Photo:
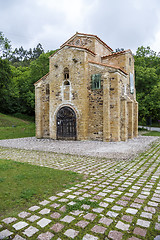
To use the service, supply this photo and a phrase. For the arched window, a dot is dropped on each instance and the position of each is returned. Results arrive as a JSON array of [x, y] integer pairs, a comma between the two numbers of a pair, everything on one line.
[[66, 83], [66, 73], [66, 90]]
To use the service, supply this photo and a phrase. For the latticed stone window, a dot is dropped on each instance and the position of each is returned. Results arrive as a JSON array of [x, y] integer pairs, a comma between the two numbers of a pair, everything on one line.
[[47, 89], [96, 81]]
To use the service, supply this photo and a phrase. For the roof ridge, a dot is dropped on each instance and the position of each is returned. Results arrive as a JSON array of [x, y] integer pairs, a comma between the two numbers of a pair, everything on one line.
[[42, 78], [108, 65], [116, 53]]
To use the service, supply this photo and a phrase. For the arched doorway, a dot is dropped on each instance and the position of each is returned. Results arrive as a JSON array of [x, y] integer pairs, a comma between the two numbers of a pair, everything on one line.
[[66, 124]]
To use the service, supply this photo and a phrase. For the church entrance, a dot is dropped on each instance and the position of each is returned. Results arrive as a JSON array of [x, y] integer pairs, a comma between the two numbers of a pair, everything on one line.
[[66, 124]]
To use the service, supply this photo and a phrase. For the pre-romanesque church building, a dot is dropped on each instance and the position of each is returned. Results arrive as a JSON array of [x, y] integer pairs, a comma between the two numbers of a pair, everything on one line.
[[88, 94]]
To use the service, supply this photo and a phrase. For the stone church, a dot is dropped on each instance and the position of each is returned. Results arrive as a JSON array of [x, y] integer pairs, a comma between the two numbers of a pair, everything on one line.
[[88, 94]]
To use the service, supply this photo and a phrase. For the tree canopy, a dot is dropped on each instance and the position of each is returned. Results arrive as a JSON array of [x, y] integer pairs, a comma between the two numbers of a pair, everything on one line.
[[147, 79]]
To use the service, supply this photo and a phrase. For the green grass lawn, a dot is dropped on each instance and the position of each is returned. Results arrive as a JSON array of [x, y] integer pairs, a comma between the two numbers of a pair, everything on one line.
[[12, 127], [152, 133], [22, 185]]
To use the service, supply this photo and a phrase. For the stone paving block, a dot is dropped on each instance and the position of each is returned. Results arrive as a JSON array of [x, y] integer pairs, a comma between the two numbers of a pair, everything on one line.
[[55, 215], [127, 218], [150, 209], [142, 196], [122, 226], [122, 203], [136, 205], [109, 199], [33, 218], [9, 220], [43, 222], [143, 223], [115, 235], [57, 227], [157, 237], [89, 237], [98, 210], [82, 224], [85, 206], [45, 202], [55, 205], [67, 219], [98, 229], [105, 221], [71, 203], [5, 234], [17, 237], [63, 209], [63, 200], [102, 194], [44, 211], [20, 225], [117, 208], [71, 233], [97, 197], [157, 226], [60, 194], [76, 212], [103, 204], [30, 231], [153, 204], [33, 208], [146, 215], [112, 214], [71, 196], [45, 236], [134, 238], [90, 216], [24, 214], [131, 211], [53, 198], [137, 200], [140, 231], [155, 199]]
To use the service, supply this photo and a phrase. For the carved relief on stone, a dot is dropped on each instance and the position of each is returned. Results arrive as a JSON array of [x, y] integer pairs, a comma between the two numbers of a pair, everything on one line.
[[81, 41]]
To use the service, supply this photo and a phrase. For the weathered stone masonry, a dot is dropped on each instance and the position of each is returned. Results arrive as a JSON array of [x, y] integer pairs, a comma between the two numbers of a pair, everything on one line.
[[88, 94]]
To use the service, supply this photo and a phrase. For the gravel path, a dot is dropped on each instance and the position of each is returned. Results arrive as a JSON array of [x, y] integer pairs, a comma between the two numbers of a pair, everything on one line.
[[116, 150]]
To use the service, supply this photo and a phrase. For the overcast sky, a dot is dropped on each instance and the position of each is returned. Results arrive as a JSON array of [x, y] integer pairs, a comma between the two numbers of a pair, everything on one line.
[[124, 24]]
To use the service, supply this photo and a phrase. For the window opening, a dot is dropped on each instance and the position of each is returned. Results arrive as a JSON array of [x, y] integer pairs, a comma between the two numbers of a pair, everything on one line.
[[96, 81], [66, 73], [47, 89]]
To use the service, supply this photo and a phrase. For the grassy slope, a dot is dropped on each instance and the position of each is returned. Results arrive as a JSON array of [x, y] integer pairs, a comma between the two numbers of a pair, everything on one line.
[[23, 184], [12, 127]]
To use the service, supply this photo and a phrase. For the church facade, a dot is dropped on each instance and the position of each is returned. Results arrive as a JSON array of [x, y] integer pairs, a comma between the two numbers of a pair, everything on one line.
[[88, 94]]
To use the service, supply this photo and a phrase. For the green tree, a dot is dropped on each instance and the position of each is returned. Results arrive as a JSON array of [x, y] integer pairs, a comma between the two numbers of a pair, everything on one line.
[[5, 46], [147, 73]]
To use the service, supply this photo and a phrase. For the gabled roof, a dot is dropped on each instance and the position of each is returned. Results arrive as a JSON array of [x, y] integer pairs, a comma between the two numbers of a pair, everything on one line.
[[87, 35], [73, 46], [107, 65]]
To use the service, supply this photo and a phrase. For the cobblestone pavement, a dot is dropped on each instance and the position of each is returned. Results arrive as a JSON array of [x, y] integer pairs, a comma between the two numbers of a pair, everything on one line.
[[119, 200]]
